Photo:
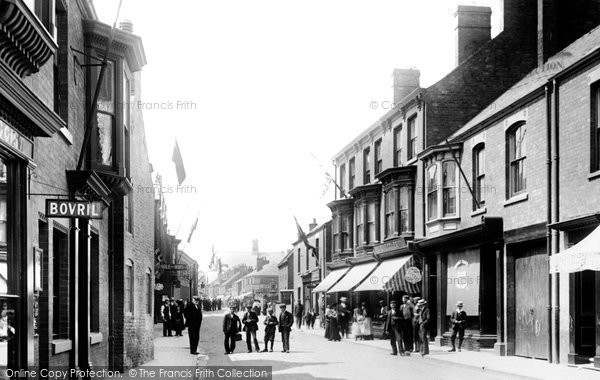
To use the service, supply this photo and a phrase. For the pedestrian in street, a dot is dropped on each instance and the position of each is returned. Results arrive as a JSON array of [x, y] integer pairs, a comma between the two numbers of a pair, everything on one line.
[[383, 311], [332, 320], [298, 313], [344, 316], [286, 321], [165, 312], [393, 326], [176, 317], [250, 322], [357, 324], [424, 326], [193, 318], [256, 307], [270, 328], [309, 320], [407, 311], [415, 325], [367, 332], [181, 324], [459, 322], [231, 326]]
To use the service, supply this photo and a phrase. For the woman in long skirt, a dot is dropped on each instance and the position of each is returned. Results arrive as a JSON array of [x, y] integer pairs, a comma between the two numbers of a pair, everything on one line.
[[327, 323], [366, 323], [334, 325]]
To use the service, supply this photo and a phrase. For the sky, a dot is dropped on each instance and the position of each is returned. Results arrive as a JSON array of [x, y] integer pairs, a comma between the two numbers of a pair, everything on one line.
[[260, 95]]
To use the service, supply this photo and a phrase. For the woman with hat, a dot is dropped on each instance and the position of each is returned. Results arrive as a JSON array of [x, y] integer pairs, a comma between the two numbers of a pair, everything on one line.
[[367, 323], [334, 330]]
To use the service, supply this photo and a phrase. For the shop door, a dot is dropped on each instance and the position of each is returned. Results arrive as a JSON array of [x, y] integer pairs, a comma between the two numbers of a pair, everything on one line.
[[585, 331], [531, 301]]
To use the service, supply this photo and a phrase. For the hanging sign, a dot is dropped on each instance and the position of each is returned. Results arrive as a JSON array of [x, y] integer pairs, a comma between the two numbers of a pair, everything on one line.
[[60, 208], [176, 267]]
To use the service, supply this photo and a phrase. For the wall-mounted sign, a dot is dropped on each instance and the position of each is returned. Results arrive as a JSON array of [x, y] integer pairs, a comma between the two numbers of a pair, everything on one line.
[[158, 286], [413, 275], [390, 246], [173, 266], [15, 140], [60, 208]]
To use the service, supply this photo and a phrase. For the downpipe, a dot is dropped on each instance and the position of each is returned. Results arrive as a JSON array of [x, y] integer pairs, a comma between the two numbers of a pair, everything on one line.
[[556, 218], [548, 98]]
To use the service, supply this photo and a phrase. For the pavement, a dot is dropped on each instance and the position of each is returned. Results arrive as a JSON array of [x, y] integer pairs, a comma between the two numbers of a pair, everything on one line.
[[313, 357]]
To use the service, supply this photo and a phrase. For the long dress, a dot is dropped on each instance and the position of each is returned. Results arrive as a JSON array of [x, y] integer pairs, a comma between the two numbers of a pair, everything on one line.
[[357, 324], [327, 325], [334, 326]]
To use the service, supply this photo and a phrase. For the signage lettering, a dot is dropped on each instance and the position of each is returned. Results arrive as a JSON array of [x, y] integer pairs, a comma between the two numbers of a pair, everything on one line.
[[177, 267], [389, 246], [56, 208], [14, 139]]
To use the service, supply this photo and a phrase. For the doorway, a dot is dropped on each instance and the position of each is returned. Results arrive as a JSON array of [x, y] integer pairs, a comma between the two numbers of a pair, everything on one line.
[[585, 313]]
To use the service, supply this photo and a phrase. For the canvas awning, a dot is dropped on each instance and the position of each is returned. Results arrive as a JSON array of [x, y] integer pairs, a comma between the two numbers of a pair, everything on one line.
[[397, 274], [244, 295], [330, 280], [584, 255], [354, 277]]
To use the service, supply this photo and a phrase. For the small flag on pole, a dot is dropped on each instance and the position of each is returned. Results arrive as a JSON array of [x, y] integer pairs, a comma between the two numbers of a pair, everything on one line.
[[178, 160], [302, 236], [192, 230]]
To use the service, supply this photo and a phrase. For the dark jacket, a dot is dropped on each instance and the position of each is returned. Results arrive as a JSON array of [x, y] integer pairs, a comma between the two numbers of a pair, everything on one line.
[[459, 319], [393, 322], [193, 315], [271, 324], [286, 321], [166, 312], [250, 321], [231, 324], [424, 316], [344, 314], [407, 311], [175, 311], [298, 310]]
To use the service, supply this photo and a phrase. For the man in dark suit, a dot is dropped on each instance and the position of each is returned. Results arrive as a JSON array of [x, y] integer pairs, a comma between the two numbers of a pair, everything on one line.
[[459, 322], [250, 322], [286, 321], [193, 318], [393, 326], [231, 326], [165, 311], [344, 316], [424, 327], [407, 311], [298, 313]]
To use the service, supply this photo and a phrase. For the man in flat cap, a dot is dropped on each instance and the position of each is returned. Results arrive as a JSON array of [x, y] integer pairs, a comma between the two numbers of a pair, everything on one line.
[[459, 322], [286, 321]]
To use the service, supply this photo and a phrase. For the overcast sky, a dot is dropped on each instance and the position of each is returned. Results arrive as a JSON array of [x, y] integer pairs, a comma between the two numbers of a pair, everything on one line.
[[269, 92]]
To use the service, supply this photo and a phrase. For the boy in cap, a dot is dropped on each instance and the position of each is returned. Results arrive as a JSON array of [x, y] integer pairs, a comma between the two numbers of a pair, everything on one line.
[[270, 327], [459, 321]]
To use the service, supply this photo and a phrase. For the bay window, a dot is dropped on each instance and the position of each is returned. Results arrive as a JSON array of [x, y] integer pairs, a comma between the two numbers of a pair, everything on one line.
[[390, 212], [371, 228], [403, 209], [346, 241], [449, 188], [336, 234], [432, 192], [360, 225]]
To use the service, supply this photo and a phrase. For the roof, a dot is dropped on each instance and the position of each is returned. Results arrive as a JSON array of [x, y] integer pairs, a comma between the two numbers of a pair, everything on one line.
[[236, 276], [537, 78], [285, 259], [310, 233], [267, 271]]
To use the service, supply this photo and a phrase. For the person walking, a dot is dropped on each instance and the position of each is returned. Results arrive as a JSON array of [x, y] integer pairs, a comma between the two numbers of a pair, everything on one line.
[[176, 317], [423, 327], [286, 321], [459, 322], [231, 326], [250, 322], [367, 332], [165, 312], [344, 317], [298, 313], [383, 311], [193, 318], [415, 325], [407, 311], [393, 326], [334, 328], [270, 328]]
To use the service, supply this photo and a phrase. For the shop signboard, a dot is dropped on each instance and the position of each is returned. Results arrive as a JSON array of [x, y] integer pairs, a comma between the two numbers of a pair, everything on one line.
[[61, 208]]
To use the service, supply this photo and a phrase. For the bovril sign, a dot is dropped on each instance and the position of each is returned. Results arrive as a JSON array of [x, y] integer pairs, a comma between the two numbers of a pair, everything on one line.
[[57, 208]]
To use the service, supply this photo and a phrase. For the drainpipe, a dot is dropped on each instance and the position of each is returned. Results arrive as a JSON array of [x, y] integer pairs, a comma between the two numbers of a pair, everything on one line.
[[548, 98], [556, 217]]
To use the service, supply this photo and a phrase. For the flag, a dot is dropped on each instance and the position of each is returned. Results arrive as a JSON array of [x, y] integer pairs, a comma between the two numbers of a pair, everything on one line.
[[192, 230], [178, 160], [211, 266], [302, 236]]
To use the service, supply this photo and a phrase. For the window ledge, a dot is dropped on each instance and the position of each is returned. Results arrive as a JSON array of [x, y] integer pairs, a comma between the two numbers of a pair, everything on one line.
[[594, 175], [516, 199], [61, 345], [411, 161], [96, 337], [444, 219], [67, 135], [479, 211]]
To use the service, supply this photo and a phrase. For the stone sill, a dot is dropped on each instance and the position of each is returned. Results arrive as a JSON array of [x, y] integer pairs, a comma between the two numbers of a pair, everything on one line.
[[61, 345], [594, 175], [66, 135], [96, 337], [516, 199], [479, 211]]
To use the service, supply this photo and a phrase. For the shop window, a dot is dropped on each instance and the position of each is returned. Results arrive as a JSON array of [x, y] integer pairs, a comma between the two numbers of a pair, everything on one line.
[[149, 291], [94, 283], [449, 188], [378, 159], [412, 137], [432, 192], [397, 147], [352, 173], [595, 130], [517, 148], [342, 180], [479, 175], [60, 286], [129, 287], [367, 166]]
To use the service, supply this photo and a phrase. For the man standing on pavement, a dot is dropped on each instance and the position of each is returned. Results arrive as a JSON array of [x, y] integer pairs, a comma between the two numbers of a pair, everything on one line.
[[393, 326], [459, 322], [407, 311], [250, 322], [298, 313], [165, 311], [193, 317], [231, 326], [383, 311], [424, 326], [415, 325], [270, 327], [286, 321], [344, 316]]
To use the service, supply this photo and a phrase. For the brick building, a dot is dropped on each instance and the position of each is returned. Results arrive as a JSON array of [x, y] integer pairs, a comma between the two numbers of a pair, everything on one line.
[[55, 270]]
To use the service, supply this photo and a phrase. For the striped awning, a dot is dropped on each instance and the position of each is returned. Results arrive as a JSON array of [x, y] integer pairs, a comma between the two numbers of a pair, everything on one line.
[[407, 278], [384, 272], [355, 276]]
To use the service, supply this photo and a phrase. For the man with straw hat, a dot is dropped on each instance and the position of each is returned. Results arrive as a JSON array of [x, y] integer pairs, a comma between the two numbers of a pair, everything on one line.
[[459, 321]]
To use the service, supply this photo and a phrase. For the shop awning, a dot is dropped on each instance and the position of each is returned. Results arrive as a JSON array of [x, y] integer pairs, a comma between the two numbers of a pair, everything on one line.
[[584, 255], [354, 277], [391, 275], [330, 280], [244, 295]]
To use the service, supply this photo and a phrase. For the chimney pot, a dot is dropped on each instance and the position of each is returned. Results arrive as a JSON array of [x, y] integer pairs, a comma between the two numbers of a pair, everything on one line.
[[313, 224], [473, 30], [126, 26], [405, 82]]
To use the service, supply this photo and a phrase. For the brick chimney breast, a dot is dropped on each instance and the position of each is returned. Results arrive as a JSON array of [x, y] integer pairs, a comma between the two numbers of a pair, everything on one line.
[[473, 30], [405, 82]]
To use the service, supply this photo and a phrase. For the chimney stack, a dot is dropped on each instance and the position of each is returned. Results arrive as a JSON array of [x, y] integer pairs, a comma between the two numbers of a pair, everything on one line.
[[473, 30], [405, 82], [126, 26], [313, 225]]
